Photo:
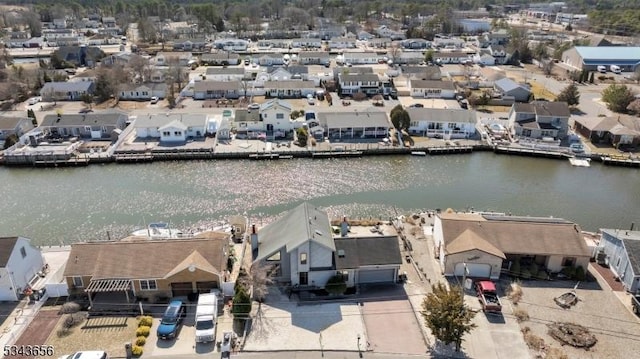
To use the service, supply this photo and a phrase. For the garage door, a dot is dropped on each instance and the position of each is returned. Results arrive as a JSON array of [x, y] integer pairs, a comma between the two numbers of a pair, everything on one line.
[[205, 287], [376, 276], [181, 289], [476, 270]]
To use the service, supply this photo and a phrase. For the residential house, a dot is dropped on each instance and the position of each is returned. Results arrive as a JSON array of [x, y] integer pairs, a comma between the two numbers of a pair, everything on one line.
[[289, 89], [498, 37], [225, 74], [420, 73], [342, 43], [510, 89], [471, 26], [380, 42], [20, 263], [143, 92], [350, 85], [14, 126], [174, 127], [619, 132], [362, 58], [204, 90], [622, 249], [157, 76], [80, 55], [120, 59], [450, 43], [482, 245], [451, 57], [231, 44], [194, 265], [409, 58], [297, 72], [272, 120], [499, 53], [220, 59], [66, 91], [314, 58], [300, 249], [192, 45], [442, 123], [365, 36], [271, 60], [540, 119], [432, 89], [94, 126], [415, 44], [174, 58], [485, 58], [109, 22], [306, 43], [345, 124], [274, 43], [385, 31], [18, 38], [60, 23]]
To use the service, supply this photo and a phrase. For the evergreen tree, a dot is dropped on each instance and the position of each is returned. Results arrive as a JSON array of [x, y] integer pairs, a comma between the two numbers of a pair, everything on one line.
[[32, 115], [570, 95], [446, 315], [400, 118]]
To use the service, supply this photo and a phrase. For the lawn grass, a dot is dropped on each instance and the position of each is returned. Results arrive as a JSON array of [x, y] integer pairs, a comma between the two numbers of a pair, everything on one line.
[[106, 333], [539, 91]]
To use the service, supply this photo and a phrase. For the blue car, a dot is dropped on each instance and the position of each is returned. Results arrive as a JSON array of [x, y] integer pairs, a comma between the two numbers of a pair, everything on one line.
[[171, 320]]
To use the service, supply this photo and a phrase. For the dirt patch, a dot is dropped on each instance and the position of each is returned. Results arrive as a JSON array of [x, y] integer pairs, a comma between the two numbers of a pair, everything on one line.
[[539, 91], [38, 331], [572, 334]]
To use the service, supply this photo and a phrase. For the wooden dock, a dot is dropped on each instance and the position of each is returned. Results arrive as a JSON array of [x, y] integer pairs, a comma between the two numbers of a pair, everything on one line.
[[332, 154], [520, 151], [614, 160], [441, 150], [269, 156]]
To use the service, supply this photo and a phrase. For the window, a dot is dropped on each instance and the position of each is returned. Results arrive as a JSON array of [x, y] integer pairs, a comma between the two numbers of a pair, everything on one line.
[[148, 284], [279, 116], [23, 252], [166, 133], [344, 275], [177, 133], [274, 258], [77, 282], [568, 261], [451, 125], [303, 258]]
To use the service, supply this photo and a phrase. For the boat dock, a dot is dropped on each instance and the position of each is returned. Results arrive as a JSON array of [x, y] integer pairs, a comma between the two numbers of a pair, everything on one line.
[[522, 151], [614, 160]]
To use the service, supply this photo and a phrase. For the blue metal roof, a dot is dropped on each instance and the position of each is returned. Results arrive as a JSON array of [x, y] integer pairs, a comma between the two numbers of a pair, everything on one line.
[[609, 53]]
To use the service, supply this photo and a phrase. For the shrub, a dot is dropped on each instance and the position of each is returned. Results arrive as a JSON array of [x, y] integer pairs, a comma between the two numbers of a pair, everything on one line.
[[542, 275], [515, 269], [515, 292], [70, 307], [145, 321], [141, 340], [359, 96], [533, 269], [568, 272], [526, 274], [72, 320], [143, 331], [336, 285], [521, 315], [136, 350], [533, 341], [580, 274], [241, 303]]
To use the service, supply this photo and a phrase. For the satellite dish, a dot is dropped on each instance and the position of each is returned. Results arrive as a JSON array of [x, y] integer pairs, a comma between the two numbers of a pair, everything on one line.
[[192, 268]]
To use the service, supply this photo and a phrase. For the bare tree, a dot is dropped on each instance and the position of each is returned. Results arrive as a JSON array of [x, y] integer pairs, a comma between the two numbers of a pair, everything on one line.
[[259, 278], [140, 67]]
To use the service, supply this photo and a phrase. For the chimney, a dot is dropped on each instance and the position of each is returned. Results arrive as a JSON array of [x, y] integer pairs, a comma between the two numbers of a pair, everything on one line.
[[254, 238], [344, 227]]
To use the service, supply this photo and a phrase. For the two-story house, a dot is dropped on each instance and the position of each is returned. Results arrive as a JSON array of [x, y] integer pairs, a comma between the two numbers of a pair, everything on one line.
[[499, 53], [20, 262], [442, 123], [350, 85], [432, 89], [540, 119], [272, 120]]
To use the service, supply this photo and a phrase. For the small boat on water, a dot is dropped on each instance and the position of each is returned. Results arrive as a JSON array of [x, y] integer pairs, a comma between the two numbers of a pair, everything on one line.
[[418, 153], [580, 162]]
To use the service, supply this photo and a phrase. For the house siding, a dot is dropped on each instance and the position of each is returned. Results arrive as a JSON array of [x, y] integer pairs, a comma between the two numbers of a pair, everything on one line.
[[619, 262], [24, 269]]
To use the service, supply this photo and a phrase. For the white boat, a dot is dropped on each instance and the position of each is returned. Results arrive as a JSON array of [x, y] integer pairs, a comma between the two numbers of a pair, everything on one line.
[[160, 230], [418, 153], [580, 162]]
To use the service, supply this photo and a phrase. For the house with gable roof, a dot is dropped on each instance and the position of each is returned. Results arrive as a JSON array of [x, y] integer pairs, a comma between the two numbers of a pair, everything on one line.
[[622, 250], [174, 127], [618, 131], [540, 119], [511, 89], [20, 262]]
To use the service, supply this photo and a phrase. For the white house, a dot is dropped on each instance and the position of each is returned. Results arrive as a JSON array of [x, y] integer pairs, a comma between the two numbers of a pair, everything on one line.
[[143, 92], [311, 43], [442, 123], [314, 58], [362, 58], [484, 57], [432, 89], [451, 57], [178, 58], [275, 115], [20, 263], [175, 127], [366, 83], [271, 60], [225, 73], [342, 43]]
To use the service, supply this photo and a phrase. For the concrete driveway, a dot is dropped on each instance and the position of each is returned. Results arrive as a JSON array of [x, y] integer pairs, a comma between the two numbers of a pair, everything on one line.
[[392, 327]]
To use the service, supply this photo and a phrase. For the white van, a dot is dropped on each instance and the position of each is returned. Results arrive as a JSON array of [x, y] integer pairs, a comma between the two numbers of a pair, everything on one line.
[[615, 69], [206, 313], [602, 69]]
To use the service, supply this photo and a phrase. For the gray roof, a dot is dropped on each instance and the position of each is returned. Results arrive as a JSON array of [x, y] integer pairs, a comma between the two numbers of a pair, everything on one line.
[[6, 247], [225, 71], [346, 119], [301, 224], [10, 123], [159, 120], [244, 115], [507, 85], [546, 108], [219, 56], [217, 86], [313, 54], [631, 241], [367, 251], [442, 115], [360, 78], [273, 102], [432, 84], [150, 85], [289, 84], [76, 86], [86, 119]]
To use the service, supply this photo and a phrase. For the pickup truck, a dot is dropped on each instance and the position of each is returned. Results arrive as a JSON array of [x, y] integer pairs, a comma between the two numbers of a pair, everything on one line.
[[488, 296]]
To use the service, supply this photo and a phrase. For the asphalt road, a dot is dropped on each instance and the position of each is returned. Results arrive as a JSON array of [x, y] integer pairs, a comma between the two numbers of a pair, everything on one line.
[[300, 355]]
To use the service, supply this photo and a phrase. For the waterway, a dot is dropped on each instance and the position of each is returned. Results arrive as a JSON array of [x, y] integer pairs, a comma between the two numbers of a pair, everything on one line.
[[64, 205]]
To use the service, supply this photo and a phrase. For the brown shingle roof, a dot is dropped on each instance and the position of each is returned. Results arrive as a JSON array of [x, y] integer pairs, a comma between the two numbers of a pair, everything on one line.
[[516, 235], [145, 259], [470, 240], [6, 247]]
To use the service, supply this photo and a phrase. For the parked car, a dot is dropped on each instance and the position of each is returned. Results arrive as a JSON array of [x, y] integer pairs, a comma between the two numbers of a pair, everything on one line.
[[171, 320], [311, 100], [87, 354], [34, 100], [417, 105], [254, 106], [154, 100]]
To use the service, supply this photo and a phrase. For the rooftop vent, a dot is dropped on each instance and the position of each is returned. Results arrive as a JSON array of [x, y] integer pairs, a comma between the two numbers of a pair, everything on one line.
[[341, 253], [318, 232]]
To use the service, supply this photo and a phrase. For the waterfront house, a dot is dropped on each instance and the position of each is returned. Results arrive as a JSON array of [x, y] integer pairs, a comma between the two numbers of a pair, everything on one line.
[[225, 74], [220, 59], [484, 245], [355, 124], [66, 91], [442, 123], [622, 249], [540, 119], [301, 251], [289, 88], [619, 131], [147, 269], [142, 92], [174, 127], [432, 89], [20, 263], [205, 90], [314, 58], [94, 126], [510, 89], [17, 126], [272, 119], [351, 84]]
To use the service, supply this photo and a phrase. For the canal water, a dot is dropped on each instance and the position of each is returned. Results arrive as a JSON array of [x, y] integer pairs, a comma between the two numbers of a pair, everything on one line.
[[64, 205]]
